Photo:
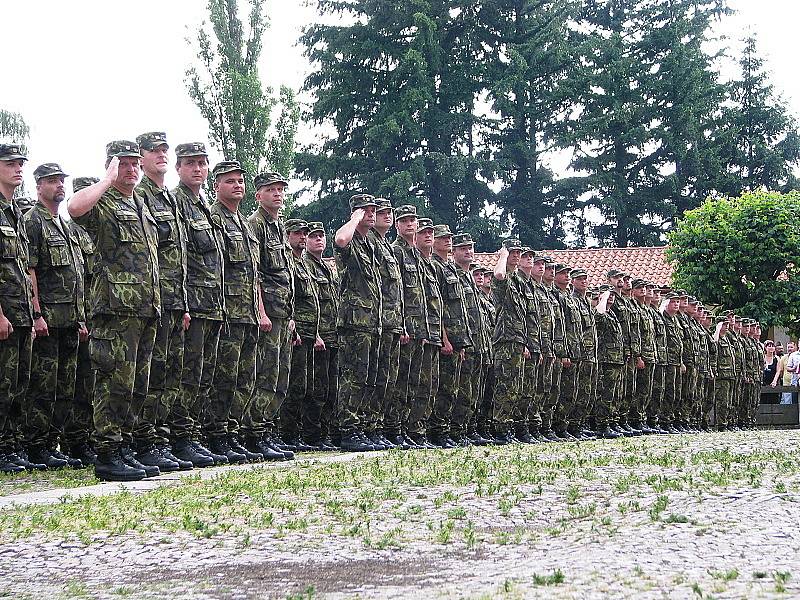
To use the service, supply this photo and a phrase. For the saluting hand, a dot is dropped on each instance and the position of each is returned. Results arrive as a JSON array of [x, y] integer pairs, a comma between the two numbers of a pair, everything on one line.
[[113, 170], [357, 215]]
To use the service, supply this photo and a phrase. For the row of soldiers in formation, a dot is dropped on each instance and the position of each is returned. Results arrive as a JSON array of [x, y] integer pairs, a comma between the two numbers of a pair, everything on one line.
[[155, 330]]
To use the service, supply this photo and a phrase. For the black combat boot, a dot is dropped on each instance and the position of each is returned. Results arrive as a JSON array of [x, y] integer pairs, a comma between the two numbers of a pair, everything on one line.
[[165, 451], [278, 445], [111, 467], [236, 446], [219, 459], [219, 445], [41, 455], [353, 443], [84, 453], [150, 457], [608, 433], [129, 458], [72, 463], [184, 450], [6, 466], [21, 459]]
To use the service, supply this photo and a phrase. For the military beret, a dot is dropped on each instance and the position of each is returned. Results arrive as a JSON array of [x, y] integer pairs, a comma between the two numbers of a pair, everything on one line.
[[442, 231], [226, 166], [462, 239], [561, 267], [361, 201], [406, 210], [575, 273], [120, 148], [314, 226], [614, 273], [152, 140], [383, 204], [424, 223], [293, 225], [78, 183], [512, 244], [12, 152], [190, 149], [48, 170], [268, 178], [638, 283]]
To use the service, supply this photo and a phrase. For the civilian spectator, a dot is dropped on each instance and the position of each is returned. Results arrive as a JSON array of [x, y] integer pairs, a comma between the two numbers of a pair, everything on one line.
[[791, 362]]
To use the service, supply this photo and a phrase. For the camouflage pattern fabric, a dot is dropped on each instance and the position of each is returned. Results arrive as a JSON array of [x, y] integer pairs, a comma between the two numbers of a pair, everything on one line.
[[164, 391], [274, 359], [421, 396], [78, 427], [445, 398], [356, 375], [400, 396], [509, 362], [15, 287], [200, 348], [409, 261], [360, 308], [300, 387], [15, 372], [319, 414], [387, 368]]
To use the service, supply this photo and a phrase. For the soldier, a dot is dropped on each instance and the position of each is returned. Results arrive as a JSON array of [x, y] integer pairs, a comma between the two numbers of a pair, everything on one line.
[[235, 376], [276, 340], [654, 409], [153, 431], [540, 421], [509, 339], [707, 420], [125, 306], [16, 311], [587, 369], [691, 359], [393, 331], [306, 317], [456, 337], [55, 264], [726, 373], [415, 324], [482, 423], [675, 367], [643, 389], [359, 320], [319, 417], [611, 362], [525, 411], [205, 304]]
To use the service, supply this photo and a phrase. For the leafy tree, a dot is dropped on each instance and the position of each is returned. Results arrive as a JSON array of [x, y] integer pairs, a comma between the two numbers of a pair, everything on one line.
[[14, 129], [227, 89], [742, 253]]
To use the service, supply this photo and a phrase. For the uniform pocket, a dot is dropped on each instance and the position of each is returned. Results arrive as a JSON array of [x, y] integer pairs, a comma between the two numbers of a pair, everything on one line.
[[124, 291], [8, 241], [129, 226], [201, 235], [59, 252], [105, 350], [234, 241], [165, 227]]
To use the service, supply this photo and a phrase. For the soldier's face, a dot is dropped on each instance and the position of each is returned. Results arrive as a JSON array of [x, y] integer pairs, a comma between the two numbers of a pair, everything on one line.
[[526, 261], [673, 306], [129, 171], [562, 278], [443, 244], [514, 256], [297, 240], [580, 283], [193, 171], [616, 282], [155, 161], [425, 239], [11, 172], [477, 277], [639, 293], [51, 189], [271, 197], [407, 226], [626, 283], [230, 186], [549, 274], [384, 219], [538, 268], [463, 254], [316, 242], [368, 220]]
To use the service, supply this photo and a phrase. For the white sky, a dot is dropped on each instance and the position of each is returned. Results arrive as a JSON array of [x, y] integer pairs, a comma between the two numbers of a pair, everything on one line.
[[84, 72]]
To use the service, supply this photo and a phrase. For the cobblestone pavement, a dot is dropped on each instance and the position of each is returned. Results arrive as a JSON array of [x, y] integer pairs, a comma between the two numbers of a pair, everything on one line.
[[704, 516]]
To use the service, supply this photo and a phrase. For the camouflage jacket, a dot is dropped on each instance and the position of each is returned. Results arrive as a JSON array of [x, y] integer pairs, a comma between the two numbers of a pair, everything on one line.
[[171, 229], [360, 308], [56, 257], [546, 318], [660, 333], [532, 327], [726, 367], [559, 326], [588, 329], [691, 341], [15, 284], [87, 250], [328, 286], [476, 319], [125, 275], [240, 273], [414, 302], [572, 323], [306, 300], [391, 283], [647, 332], [433, 300], [610, 339], [489, 318], [454, 311], [203, 256], [274, 265], [702, 344], [628, 318], [712, 353], [674, 335], [508, 297]]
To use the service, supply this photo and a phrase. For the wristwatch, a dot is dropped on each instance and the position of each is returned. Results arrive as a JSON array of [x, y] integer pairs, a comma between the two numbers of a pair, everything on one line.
[[37, 315]]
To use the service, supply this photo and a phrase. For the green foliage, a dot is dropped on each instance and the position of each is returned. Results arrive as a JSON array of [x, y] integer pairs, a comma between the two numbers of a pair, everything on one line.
[[742, 253], [227, 89], [13, 128]]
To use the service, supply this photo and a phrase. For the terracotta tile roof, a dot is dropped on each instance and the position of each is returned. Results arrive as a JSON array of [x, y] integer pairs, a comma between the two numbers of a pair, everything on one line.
[[649, 263]]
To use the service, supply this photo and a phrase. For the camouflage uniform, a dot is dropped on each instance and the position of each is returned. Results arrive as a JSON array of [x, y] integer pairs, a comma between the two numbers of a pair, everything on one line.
[[525, 409], [482, 423], [655, 408], [55, 256], [628, 316], [541, 417], [611, 359], [573, 334], [556, 368], [710, 382], [726, 372], [691, 358], [643, 393], [672, 371], [587, 369], [125, 303]]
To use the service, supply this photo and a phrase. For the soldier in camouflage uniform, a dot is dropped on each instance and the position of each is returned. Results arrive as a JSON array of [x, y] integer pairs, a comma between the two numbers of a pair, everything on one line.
[[235, 376], [674, 356], [540, 417], [359, 320], [482, 423], [754, 353], [560, 356], [587, 369], [16, 311], [456, 338], [393, 330], [55, 264], [654, 410], [726, 372], [691, 358], [153, 431], [319, 423], [125, 305], [710, 381], [611, 362], [525, 411], [696, 408], [572, 357], [643, 392]]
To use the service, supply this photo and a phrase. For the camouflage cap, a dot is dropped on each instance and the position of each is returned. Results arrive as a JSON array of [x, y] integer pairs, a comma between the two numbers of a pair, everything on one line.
[[604, 288], [550, 263], [406, 210], [226, 166], [475, 267], [693, 301], [561, 267], [540, 258], [48, 170], [442, 231], [626, 276], [682, 293], [152, 140], [462, 239], [638, 282], [383, 204], [614, 273], [720, 319], [120, 148], [670, 296], [293, 225], [575, 273], [527, 250], [512, 244], [361, 201], [12, 152], [268, 178], [190, 149], [314, 226], [424, 223], [78, 183]]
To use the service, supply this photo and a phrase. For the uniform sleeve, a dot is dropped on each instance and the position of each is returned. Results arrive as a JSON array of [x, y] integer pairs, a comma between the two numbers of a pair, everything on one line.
[[33, 229]]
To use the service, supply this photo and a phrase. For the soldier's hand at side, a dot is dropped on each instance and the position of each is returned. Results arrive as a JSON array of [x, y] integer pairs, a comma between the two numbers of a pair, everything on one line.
[[6, 329], [83, 333], [264, 323], [683, 368], [40, 326], [187, 320], [33, 333], [447, 348], [566, 363], [319, 345], [404, 338], [639, 363], [527, 354], [297, 340], [113, 170], [292, 325]]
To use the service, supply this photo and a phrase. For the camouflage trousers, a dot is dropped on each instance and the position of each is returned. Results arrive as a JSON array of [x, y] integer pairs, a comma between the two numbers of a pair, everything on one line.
[[627, 399], [274, 360], [385, 380], [200, 346], [120, 350], [643, 395], [655, 408], [165, 382], [748, 406], [445, 398], [51, 390], [79, 421], [319, 416], [568, 396], [708, 402], [234, 381], [469, 387], [723, 401], [688, 394], [301, 386], [482, 421], [554, 395], [526, 413], [609, 391], [542, 397], [422, 394], [509, 367], [672, 394], [585, 398], [15, 372], [358, 370], [400, 394]]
